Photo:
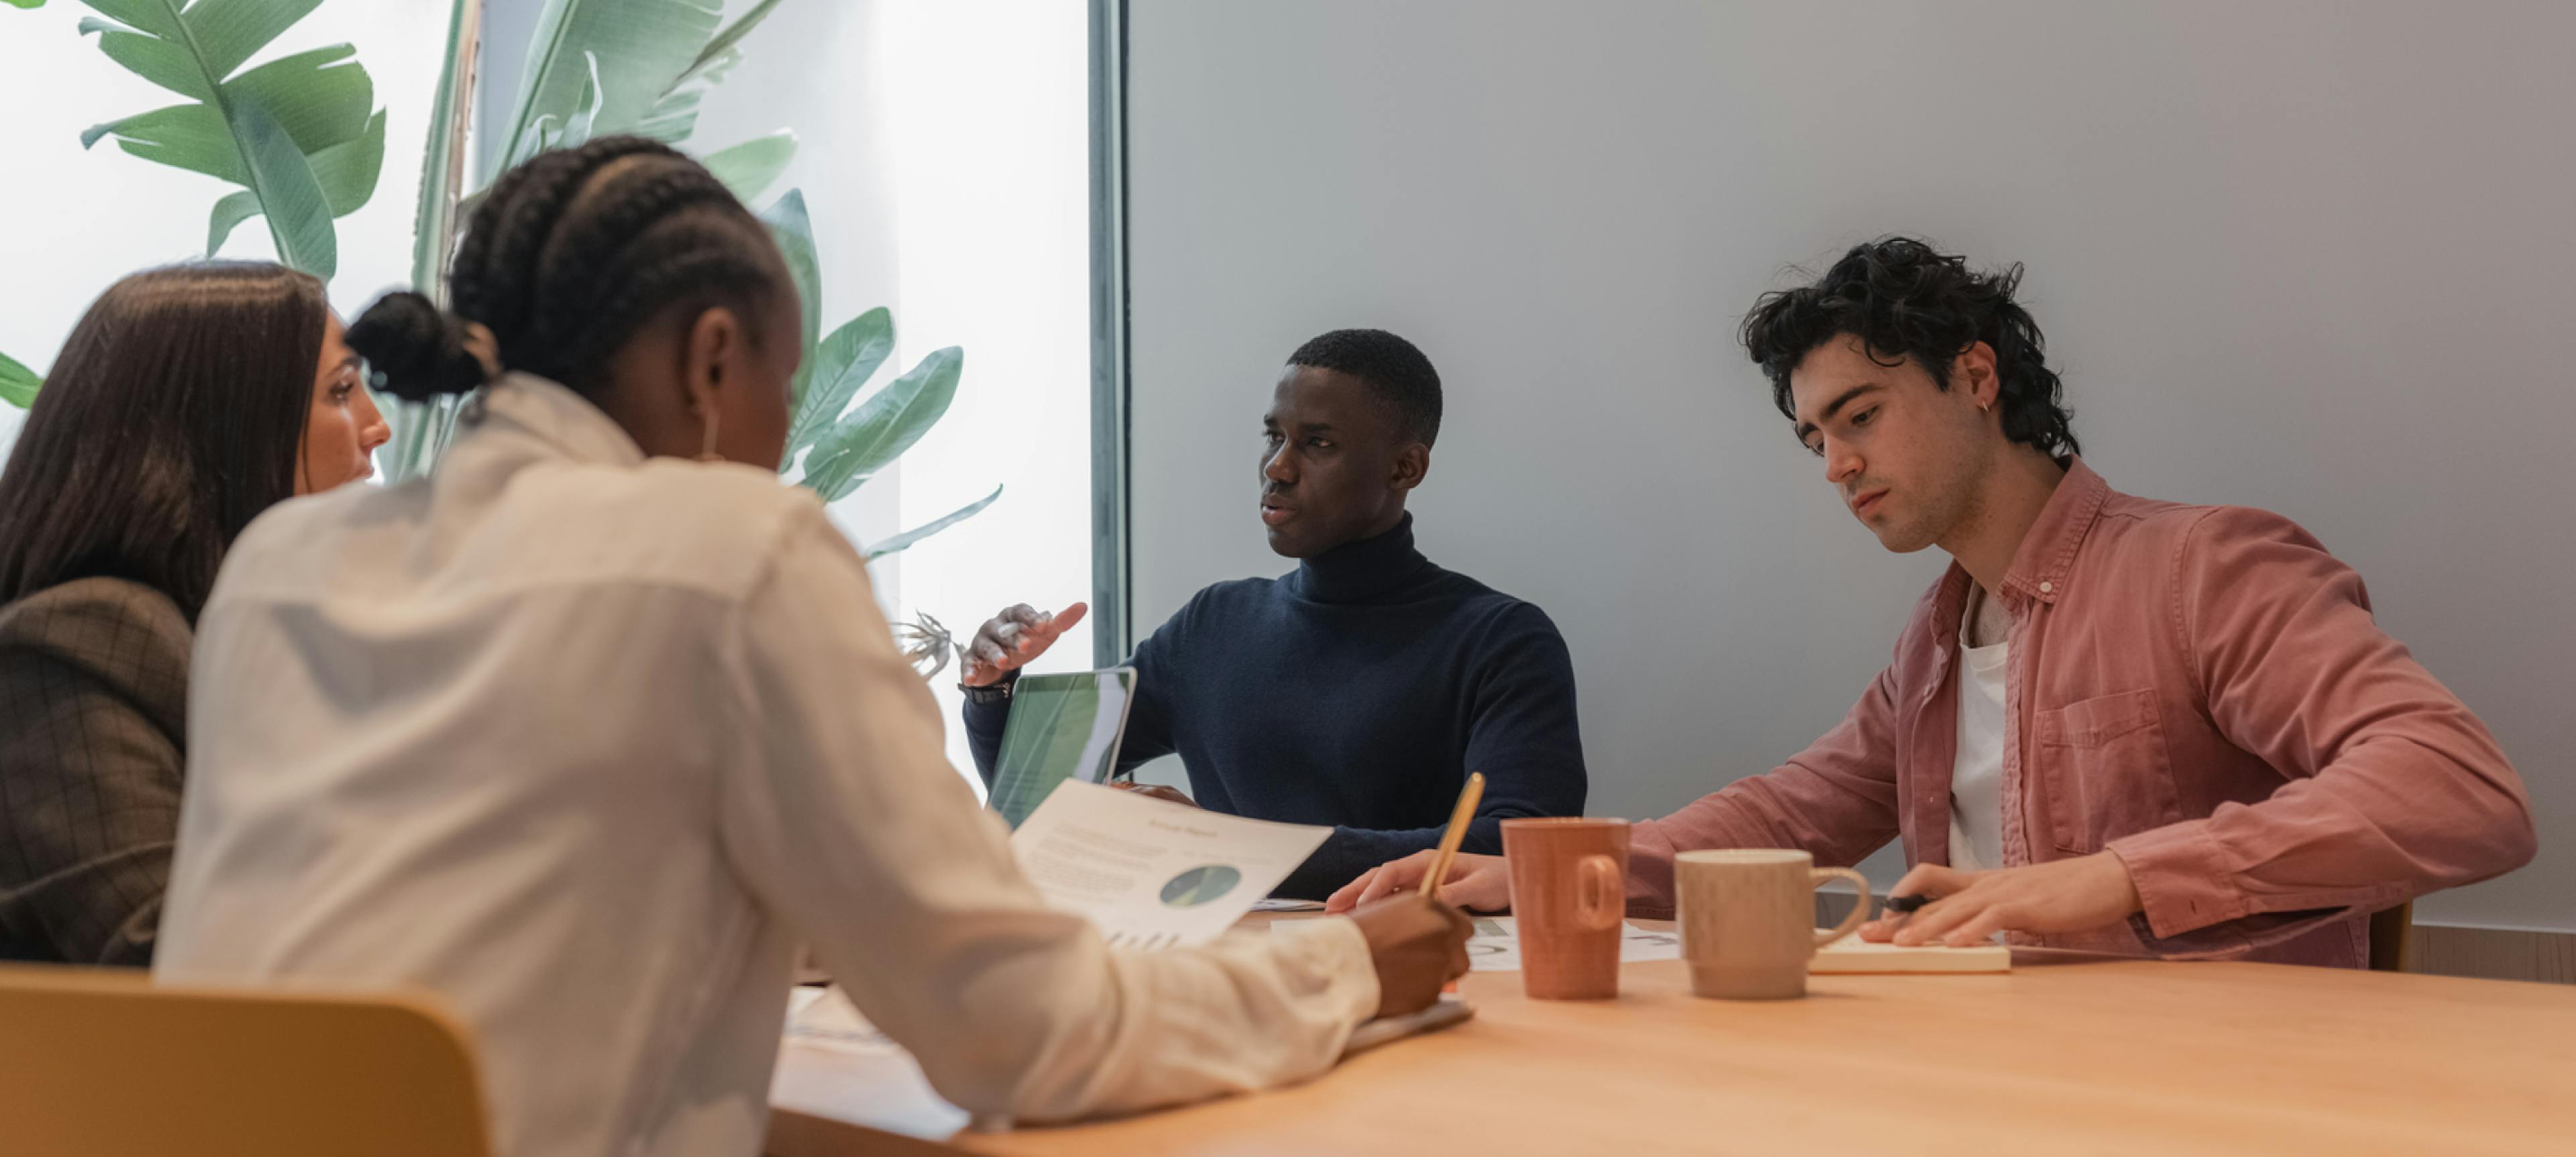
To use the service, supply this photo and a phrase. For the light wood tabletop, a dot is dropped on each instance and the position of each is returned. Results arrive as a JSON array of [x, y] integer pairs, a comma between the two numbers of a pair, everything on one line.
[[2059, 1055]]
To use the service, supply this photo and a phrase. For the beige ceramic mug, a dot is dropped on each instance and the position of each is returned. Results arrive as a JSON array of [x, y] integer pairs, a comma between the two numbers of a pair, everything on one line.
[[1748, 920]]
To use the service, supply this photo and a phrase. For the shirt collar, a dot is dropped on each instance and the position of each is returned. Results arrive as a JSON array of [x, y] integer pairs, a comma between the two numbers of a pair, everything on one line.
[[1361, 571], [552, 413], [2047, 553], [2040, 565]]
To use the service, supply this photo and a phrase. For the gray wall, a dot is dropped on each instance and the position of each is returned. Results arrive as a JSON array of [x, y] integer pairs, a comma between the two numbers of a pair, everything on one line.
[[2314, 257]]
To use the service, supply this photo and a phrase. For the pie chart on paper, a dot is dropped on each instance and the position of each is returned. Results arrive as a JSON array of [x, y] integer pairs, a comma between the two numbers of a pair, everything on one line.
[[1201, 885]]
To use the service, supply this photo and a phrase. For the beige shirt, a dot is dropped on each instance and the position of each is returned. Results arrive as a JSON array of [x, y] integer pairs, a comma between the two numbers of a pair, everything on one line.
[[588, 744]]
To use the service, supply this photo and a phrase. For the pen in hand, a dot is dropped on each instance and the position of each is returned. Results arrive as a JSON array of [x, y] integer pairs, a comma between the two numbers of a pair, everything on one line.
[[1900, 909]]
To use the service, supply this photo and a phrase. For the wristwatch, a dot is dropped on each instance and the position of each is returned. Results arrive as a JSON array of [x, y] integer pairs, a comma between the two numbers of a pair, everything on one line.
[[992, 693]]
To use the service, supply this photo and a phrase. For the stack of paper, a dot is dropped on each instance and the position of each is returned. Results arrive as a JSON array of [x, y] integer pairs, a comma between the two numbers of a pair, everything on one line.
[[1852, 954]]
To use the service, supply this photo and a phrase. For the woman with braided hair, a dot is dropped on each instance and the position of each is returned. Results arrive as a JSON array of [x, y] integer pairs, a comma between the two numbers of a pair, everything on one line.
[[592, 728]]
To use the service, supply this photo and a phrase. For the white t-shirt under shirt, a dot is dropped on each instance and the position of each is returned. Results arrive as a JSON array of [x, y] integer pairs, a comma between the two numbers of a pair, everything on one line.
[[1977, 772]]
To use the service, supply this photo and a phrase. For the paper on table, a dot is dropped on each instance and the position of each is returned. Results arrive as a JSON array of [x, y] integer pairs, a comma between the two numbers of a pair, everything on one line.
[[1496, 945], [1443, 1013], [1851, 954], [1288, 906], [825, 1016], [1153, 874]]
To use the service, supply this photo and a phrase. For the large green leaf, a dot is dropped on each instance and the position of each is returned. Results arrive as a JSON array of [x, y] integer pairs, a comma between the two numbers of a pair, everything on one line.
[[299, 132], [584, 120], [794, 232], [23, 4], [724, 47], [229, 213], [347, 173], [750, 168], [843, 363], [884, 426], [165, 62], [674, 116], [672, 119], [299, 216], [642, 46], [158, 17], [884, 547], [17, 383], [348, 170], [227, 32], [320, 97], [442, 165], [188, 136], [420, 429]]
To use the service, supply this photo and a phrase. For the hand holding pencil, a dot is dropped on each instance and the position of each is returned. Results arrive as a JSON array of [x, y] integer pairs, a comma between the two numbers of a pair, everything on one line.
[[1418, 943]]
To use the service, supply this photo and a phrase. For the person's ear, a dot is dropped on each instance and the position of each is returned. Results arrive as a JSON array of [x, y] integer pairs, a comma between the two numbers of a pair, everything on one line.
[[708, 357], [1412, 465], [1972, 373]]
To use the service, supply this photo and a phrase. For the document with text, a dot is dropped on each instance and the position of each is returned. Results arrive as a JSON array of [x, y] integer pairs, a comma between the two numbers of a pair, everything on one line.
[[1153, 874]]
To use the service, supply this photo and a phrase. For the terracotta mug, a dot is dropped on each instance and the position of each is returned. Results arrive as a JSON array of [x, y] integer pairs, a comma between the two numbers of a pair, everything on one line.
[[1569, 891], [1748, 920]]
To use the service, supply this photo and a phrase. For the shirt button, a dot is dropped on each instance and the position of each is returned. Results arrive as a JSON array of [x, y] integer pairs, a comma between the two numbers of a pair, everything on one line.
[[2045, 588]]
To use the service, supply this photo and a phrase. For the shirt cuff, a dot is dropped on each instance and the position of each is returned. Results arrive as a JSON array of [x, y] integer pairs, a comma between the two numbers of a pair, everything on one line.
[[2182, 878], [1333, 948]]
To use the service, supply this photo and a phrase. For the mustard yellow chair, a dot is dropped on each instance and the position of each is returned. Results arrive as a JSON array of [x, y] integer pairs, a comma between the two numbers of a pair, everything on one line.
[[100, 1063]]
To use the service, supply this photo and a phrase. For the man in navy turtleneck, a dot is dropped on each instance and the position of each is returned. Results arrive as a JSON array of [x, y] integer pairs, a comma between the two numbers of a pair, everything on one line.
[[1359, 690]]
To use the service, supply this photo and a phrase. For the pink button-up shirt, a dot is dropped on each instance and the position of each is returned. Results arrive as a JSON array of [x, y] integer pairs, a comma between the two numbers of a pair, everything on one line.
[[2199, 689]]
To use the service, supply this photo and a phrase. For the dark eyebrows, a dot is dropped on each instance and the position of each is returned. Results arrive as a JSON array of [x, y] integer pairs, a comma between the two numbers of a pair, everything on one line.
[[1834, 407]]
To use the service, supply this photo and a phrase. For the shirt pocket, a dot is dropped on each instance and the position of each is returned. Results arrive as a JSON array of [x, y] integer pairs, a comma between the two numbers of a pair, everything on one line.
[[2104, 769]]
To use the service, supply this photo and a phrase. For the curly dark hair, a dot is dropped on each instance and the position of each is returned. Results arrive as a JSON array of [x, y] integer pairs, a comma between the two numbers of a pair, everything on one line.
[[1903, 298]]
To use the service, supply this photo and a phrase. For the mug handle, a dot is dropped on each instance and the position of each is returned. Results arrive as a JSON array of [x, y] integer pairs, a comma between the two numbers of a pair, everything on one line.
[[1859, 912], [1600, 896]]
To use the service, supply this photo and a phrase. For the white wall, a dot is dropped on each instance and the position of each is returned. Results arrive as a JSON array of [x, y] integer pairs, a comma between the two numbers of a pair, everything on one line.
[[2310, 256]]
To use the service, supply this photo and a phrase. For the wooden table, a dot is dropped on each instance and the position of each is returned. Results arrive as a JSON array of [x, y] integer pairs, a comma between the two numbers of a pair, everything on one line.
[[2061, 1055]]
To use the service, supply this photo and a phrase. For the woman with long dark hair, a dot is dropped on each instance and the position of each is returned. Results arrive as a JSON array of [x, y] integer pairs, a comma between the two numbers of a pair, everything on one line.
[[592, 728], [187, 401]]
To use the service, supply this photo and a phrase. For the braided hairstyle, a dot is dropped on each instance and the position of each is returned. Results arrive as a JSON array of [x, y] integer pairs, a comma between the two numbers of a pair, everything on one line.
[[568, 256]]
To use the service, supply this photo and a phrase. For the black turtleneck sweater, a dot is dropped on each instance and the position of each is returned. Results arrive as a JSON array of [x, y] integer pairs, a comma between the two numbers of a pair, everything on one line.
[[1358, 691]]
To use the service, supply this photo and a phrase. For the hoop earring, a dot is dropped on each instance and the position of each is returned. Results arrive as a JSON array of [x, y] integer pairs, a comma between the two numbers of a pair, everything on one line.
[[708, 453]]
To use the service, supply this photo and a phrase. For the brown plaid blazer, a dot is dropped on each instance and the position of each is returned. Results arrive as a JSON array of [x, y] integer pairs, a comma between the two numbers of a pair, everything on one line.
[[93, 729]]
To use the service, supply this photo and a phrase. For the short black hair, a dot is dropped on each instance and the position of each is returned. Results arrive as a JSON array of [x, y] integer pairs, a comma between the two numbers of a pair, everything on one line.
[[1391, 366], [563, 264], [174, 415], [1903, 298]]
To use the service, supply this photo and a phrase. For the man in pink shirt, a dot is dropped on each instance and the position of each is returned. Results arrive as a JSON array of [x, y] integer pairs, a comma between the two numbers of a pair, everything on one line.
[[2115, 724]]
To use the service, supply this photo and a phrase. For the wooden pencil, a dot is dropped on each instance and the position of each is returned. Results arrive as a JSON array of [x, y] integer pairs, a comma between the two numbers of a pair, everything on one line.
[[1466, 810]]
